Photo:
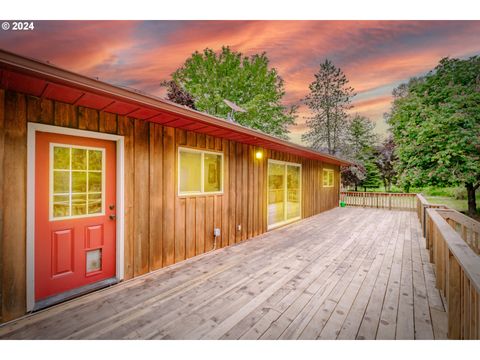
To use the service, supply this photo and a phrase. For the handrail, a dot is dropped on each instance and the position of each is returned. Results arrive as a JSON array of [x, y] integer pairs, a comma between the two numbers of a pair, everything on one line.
[[466, 227], [454, 246], [467, 259], [452, 241], [397, 201]]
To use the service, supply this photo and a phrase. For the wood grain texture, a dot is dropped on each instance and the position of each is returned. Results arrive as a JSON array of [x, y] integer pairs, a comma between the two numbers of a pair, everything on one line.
[[40, 110], [142, 198], [156, 196], [107, 122], [65, 115], [14, 205], [160, 228], [126, 129], [2, 209], [169, 195], [88, 119], [322, 278]]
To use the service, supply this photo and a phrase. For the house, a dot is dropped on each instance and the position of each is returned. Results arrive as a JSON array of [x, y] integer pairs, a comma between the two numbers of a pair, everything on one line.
[[102, 184]]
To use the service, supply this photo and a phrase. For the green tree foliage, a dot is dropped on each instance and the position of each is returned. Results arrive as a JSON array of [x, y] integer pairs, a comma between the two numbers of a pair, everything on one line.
[[329, 99], [360, 138], [436, 124], [249, 82], [372, 175], [358, 147]]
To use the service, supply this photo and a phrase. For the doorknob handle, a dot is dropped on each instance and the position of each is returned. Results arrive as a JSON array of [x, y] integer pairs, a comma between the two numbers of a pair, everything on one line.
[[112, 217]]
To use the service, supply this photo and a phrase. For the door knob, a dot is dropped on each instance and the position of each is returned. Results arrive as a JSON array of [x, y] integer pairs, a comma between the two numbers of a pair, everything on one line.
[[112, 217], [111, 206]]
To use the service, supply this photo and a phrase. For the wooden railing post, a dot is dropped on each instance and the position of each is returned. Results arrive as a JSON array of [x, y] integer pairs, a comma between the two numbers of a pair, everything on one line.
[[454, 298]]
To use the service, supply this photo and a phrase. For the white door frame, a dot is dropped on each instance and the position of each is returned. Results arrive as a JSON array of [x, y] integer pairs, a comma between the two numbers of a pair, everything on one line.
[[32, 129], [287, 221]]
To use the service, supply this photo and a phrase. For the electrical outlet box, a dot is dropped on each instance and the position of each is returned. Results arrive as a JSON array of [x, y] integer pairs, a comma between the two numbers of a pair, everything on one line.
[[216, 232], [239, 227]]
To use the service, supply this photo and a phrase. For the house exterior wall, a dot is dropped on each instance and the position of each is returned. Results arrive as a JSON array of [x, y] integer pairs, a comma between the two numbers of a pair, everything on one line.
[[161, 228]]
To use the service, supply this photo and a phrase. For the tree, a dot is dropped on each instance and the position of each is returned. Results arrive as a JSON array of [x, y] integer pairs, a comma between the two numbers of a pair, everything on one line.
[[385, 160], [249, 82], [178, 95], [329, 99], [353, 175], [359, 145], [436, 124], [372, 175], [360, 138]]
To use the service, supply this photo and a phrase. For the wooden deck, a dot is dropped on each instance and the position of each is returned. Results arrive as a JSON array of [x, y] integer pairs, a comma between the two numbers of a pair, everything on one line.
[[348, 273]]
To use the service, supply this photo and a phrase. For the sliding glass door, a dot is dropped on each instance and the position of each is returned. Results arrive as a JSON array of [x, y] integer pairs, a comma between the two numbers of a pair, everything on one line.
[[284, 192]]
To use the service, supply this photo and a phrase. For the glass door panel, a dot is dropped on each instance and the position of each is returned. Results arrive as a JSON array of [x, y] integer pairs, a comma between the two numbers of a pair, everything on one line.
[[284, 192], [276, 193], [293, 192]]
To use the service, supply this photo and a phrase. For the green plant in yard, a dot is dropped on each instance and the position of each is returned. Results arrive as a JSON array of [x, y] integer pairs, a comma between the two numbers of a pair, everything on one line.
[[459, 193], [436, 124], [248, 81]]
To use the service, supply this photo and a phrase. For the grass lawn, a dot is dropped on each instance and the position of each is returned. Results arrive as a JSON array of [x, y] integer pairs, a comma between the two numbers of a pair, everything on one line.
[[459, 205]]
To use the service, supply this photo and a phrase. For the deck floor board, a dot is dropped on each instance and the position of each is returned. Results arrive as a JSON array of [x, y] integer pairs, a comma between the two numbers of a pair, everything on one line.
[[348, 273]]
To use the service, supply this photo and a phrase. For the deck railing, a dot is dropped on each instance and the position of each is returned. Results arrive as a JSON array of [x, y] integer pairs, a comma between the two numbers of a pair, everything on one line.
[[391, 201], [453, 243]]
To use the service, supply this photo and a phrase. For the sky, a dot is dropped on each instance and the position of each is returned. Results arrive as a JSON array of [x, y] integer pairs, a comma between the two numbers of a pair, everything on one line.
[[376, 56]]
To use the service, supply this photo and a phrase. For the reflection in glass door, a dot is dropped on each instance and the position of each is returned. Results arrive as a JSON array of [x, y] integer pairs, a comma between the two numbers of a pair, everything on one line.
[[276, 193], [284, 192], [293, 192]]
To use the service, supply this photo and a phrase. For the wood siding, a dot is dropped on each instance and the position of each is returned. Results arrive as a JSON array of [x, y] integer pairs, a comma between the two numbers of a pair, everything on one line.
[[160, 228]]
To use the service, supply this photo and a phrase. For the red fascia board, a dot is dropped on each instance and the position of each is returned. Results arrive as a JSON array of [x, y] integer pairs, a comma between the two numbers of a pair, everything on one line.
[[137, 100]]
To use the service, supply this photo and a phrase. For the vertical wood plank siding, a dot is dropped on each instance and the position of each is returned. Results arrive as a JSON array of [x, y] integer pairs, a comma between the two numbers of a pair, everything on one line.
[[160, 227]]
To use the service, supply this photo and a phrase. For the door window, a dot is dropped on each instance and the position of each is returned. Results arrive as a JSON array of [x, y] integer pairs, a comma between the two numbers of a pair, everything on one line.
[[76, 181]]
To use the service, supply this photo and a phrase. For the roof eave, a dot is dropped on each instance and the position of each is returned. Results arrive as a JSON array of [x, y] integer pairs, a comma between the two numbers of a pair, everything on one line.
[[66, 77]]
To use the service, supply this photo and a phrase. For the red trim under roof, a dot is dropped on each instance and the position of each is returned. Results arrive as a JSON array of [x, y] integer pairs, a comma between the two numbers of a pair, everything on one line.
[[40, 79]]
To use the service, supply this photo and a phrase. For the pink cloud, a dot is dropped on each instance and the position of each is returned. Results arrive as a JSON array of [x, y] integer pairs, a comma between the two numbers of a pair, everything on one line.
[[375, 55]]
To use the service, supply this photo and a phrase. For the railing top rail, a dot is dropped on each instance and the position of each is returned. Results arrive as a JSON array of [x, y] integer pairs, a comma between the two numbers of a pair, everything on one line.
[[460, 218], [377, 193], [465, 256], [422, 199]]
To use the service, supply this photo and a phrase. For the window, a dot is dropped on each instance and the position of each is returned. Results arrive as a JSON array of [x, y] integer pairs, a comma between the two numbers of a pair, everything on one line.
[[76, 181], [199, 172], [328, 178]]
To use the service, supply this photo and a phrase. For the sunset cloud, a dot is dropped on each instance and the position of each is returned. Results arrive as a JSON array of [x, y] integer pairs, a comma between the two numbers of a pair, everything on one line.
[[376, 56]]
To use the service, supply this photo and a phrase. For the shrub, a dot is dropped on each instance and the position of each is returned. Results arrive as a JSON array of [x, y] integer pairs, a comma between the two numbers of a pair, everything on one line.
[[459, 193]]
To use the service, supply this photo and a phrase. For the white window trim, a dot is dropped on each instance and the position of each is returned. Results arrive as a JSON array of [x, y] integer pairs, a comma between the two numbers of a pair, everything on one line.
[[120, 209], [202, 191], [50, 195], [323, 178], [288, 221]]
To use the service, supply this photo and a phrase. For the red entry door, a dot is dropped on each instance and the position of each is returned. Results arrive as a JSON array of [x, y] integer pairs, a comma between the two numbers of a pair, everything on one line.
[[75, 226]]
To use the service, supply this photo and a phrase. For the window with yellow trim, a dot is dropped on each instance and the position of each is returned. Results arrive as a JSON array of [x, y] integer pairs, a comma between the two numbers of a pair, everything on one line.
[[328, 178], [199, 172]]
